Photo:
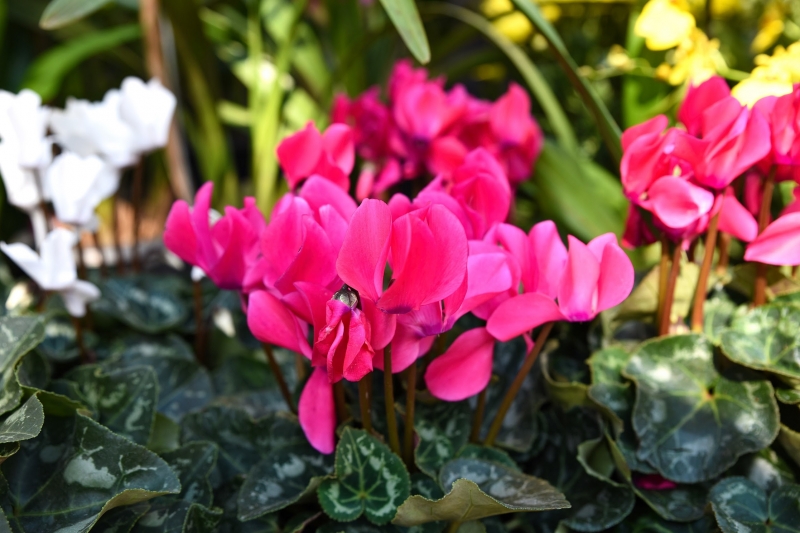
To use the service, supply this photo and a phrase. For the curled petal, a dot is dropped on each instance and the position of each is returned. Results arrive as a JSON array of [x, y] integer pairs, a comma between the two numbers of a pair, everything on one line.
[[337, 142], [678, 203], [271, 322], [577, 293], [318, 192], [616, 272], [362, 258], [734, 218], [521, 314], [317, 411], [464, 369], [778, 244], [550, 255], [299, 154]]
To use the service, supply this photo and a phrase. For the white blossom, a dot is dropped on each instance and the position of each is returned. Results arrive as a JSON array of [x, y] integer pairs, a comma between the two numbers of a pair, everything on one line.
[[77, 185], [23, 128], [148, 109]]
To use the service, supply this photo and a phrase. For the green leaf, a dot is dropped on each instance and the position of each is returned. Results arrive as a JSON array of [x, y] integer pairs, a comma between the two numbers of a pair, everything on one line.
[[184, 386], [136, 304], [227, 497], [282, 478], [766, 469], [59, 13], [405, 17], [479, 489], [165, 436], [183, 517], [18, 336], [790, 440], [741, 505], [74, 471], [474, 451], [788, 396], [443, 429], [47, 73], [370, 480], [609, 130], [121, 519], [567, 393], [193, 463], [250, 383], [692, 422], [718, 312], [59, 343], [767, 338], [122, 400], [242, 441], [685, 503], [23, 424]]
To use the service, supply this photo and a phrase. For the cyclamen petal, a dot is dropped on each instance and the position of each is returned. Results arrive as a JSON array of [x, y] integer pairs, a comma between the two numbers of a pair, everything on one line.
[[778, 244], [316, 412], [616, 273], [678, 203], [521, 314], [550, 256], [362, 259], [577, 294], [272, 322], [299, 153], [734, 218], [464, 369]]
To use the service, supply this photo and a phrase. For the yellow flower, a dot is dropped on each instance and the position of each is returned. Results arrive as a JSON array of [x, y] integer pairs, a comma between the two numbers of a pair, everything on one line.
[[773, 76], [495, 8], [515, 26], [665, 23], [696, 59]]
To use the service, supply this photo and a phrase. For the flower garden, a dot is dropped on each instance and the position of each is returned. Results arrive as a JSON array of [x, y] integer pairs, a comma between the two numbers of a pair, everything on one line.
[[275, 266]]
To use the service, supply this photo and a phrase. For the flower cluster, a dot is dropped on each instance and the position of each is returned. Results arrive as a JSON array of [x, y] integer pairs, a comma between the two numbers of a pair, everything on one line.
[[342, 283], [93, 142], [424, 128], [678, 179]]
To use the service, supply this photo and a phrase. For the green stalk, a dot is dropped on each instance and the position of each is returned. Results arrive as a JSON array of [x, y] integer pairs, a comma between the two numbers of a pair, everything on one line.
[[388, 392]]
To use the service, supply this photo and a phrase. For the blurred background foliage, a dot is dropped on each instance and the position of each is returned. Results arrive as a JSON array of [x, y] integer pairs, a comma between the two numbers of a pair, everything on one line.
[[248, 72]]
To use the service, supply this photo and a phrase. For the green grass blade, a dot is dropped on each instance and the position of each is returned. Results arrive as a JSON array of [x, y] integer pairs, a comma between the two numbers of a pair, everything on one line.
[[405, 17]]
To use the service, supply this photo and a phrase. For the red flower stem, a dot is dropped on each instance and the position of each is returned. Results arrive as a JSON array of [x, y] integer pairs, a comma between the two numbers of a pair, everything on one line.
[[76, 323], [81, 261], [103, 269], [388, 394], [341, 403], [200, 323], [705, 270], [363, 402], [136, 198], [663, 275], [408, 431], [724, 252], [760, 292], [666, 312], [477, 420], [276, 371], [299, 367], [527, 364]]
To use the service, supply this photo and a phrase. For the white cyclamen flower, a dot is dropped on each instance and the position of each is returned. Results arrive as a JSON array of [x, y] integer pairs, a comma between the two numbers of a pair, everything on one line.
[[96, 128], [78, 184], [23, 126], [23, 189], [54, 270], [148, 109]]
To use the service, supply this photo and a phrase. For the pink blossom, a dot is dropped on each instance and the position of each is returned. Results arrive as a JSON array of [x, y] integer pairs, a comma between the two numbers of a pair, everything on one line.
[[653, 482], [519, 139], [307, 153], [779, 243], [317, 411]]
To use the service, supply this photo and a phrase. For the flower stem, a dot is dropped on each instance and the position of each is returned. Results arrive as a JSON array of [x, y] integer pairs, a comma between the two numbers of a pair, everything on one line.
[[77, 324], [760, 292], [477, 420], [388, 393], [103, 269], [200, 323], [527, 364], [136, 198], [666, 312], [115, 229], [81, 261], [363, 402], [299, 367], [276, 371], [341, 403], [724, 252], [411, 396], [663, 275], [705, 270]]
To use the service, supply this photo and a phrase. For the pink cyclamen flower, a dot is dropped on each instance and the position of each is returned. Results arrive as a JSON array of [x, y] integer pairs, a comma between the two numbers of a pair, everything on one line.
[[653, 482], [698, 99], [221, 246], [464, 369], [427, 250], [316, 411], [783, 115], [307, 153], [519, 138], [596, 276], [779, 243]]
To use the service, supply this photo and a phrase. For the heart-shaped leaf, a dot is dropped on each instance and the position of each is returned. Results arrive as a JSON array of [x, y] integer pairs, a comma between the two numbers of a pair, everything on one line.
[[242, 441], [59, 343], [74, 471], [485, 453], [479, 489], [136, 304], [181, 516], [765, 468], [282, 478], [18, 336], [692, 422], [250, 384], [121, 519], [767, 338], [741, 505], [443, 429], [790, 440], [194, 463], [369, 480], [23, 424], [718, 312], [123, 400]]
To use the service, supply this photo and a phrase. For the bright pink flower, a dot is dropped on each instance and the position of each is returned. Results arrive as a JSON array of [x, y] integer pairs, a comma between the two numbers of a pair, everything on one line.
[[307, 152], [637, 231], [427, 250], [653, 482], [698, 99], [317, 412], [778, 244], [222, 248], [783, 115], [677, 202], [519, 139], [735, 219], [597, 276], [464, 369], [271, 321], [370, 120], [424, 111]]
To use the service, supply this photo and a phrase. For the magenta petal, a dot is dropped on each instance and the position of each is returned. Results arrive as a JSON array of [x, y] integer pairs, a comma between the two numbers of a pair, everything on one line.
[[318, 192], [362, 258], [550, 255], [299, 154], [338, 143], [317, 411], [271, 322], [206, 253], [313, 262], [315, 298], [655, 125], [734, 218], [515, 242], [678, 203], [407, 347], [778, 244], [521, 314], [464, 369], [382, 325], [698, 99], [616, 273], [577, 294], [179, 237]]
